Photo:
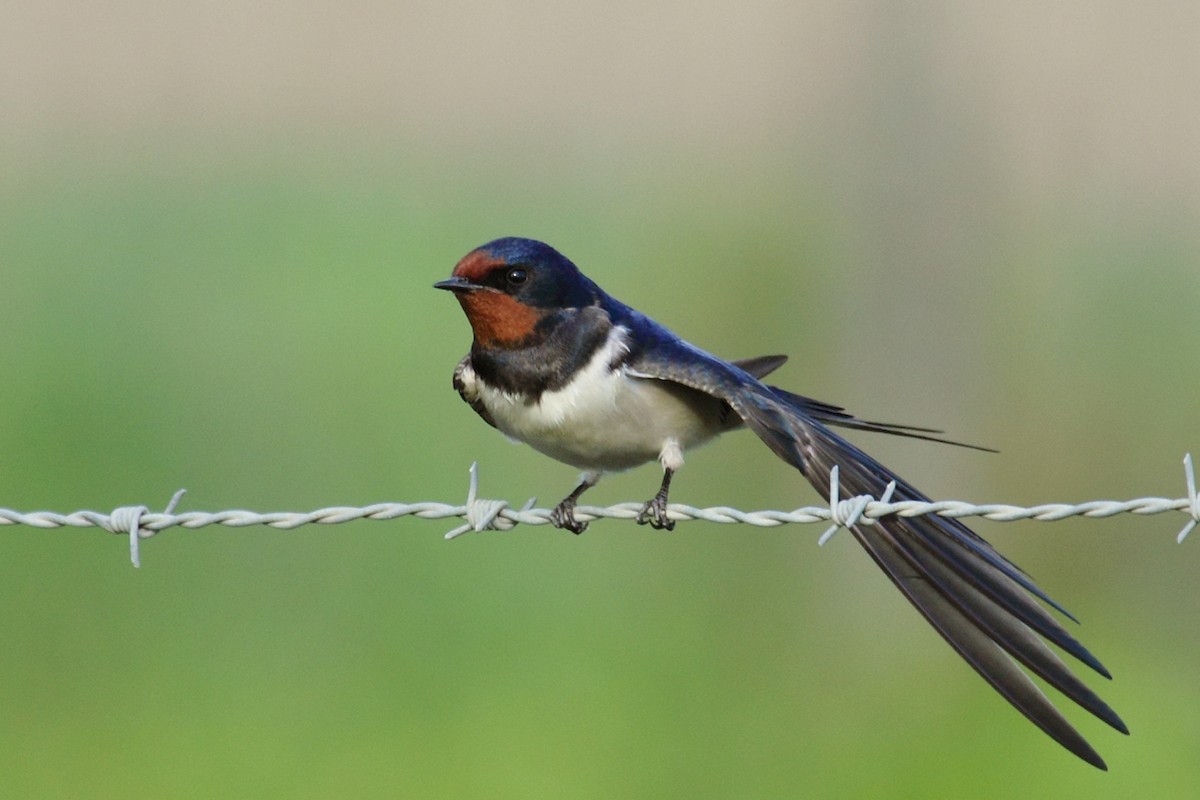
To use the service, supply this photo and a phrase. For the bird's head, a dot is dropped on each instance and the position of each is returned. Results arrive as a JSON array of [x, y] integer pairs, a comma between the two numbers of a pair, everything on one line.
[[506, 287]]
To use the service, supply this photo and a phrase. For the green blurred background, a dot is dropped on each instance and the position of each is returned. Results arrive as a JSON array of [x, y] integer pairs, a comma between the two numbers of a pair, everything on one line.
[[218, 230]]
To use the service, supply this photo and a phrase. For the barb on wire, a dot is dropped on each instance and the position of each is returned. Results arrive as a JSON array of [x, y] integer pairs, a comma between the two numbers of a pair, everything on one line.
[[849, 512], [1193, 506], [482, 515], [128, 519], [138, 522]]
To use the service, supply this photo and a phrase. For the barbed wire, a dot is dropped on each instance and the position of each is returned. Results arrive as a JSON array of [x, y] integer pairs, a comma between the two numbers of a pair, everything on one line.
[[139, 522]]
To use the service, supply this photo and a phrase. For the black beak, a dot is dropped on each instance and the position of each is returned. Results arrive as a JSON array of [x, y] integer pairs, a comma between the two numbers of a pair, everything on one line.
[[457, 284]]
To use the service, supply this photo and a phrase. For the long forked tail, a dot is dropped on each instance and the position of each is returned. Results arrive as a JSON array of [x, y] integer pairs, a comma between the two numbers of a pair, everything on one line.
[[985, 607], [831, 414]]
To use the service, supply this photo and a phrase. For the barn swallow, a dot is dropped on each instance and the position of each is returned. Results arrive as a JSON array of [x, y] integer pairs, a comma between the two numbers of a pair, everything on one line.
[[585, 379]]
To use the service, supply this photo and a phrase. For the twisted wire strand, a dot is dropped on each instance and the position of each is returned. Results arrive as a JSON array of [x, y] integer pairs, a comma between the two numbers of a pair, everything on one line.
[[139, 522]]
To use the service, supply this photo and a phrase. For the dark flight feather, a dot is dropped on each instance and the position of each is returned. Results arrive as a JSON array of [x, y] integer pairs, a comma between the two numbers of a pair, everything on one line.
[[980, 602]]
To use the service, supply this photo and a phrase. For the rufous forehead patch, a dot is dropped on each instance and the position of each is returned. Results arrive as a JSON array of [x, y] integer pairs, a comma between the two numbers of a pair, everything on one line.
[[476, 265]]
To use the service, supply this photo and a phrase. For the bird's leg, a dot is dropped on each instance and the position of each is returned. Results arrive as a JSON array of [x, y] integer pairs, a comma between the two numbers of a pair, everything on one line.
[[655, 510], [563, 515]]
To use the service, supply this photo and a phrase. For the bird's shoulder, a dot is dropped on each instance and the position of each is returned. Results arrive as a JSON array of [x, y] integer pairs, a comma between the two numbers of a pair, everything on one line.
[[664, 356], [657, 353]]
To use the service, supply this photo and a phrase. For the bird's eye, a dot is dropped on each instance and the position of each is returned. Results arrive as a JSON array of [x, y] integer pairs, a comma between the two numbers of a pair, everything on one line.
[[516, 276]]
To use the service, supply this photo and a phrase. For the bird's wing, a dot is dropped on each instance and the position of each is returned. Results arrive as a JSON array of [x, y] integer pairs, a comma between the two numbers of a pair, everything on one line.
[[467, 386], [761, 366], [981, 603]]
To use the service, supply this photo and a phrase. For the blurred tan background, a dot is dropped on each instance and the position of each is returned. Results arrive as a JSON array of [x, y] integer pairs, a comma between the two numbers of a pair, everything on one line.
[[218, 230]]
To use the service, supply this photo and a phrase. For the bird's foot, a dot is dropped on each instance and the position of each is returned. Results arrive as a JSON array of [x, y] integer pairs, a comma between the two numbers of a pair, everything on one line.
[[655, 513], [563, 516]]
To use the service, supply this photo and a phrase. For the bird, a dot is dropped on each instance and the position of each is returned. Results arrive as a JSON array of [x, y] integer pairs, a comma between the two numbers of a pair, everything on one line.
[[558, 364]]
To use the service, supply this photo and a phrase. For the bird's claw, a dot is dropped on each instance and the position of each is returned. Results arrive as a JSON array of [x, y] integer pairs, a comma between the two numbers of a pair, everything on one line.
[[655, 513], [563, 516]]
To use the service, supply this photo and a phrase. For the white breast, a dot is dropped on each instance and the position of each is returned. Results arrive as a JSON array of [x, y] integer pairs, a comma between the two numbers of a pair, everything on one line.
[[606, 419]]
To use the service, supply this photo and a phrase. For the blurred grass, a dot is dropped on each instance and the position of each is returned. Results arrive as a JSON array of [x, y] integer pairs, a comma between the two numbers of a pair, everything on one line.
[[259, 328]]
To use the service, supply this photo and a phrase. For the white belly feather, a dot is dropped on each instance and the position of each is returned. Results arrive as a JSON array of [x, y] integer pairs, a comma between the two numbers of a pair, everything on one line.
[[606, 419]]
